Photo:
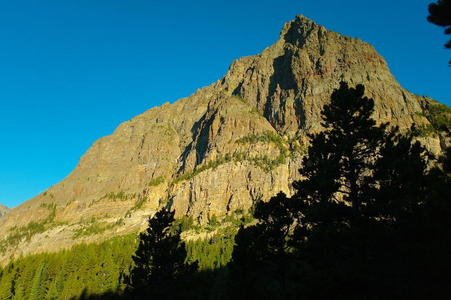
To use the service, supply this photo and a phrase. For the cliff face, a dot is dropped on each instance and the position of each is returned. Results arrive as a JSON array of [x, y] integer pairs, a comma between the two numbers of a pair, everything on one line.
[[218, 151], [3, 210]]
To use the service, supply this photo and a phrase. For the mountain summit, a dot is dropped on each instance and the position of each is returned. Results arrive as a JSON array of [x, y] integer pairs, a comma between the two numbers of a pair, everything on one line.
[[217, 152]]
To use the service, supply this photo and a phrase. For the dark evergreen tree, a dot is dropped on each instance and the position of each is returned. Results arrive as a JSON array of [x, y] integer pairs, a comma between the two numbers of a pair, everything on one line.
[[159, 261], [298, 233], [440, 14], [365, 217], [399, 185], [341, 157], [276, 218], [263, 253], [332, 237]]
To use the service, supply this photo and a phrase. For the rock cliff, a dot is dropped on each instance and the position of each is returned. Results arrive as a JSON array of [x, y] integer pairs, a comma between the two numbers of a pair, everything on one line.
[[3, 210], [216, 152]]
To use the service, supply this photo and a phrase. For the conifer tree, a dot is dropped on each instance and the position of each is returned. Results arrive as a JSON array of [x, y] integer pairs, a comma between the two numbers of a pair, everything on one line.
[[263, 252], [160, 258], [38, 285], [341, 157], [270, 236], [7, 283], [399, 186], [440, 14]]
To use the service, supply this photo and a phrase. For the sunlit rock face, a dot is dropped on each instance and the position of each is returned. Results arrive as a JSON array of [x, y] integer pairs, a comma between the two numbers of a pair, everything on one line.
[[3, 210], [220, 150]]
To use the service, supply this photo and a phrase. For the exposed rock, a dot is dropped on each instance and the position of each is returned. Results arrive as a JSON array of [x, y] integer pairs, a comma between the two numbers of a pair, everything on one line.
[[220, 150], [3, 210]]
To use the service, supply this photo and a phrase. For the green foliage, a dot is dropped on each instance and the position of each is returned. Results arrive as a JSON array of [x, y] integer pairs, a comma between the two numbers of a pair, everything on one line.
[[121, 195], [213, 252], [96, 268], [159, 260], [438, 114], [213, 164], [156, 181], [213, 221], [265, 137], [264, 162], [49, 206], [423, 130], [18, 234], [8, 277], [234, 220], [38, 284], [296, 146], [113, 196], [140, 200], [92, 227], [239, 218], [185, 223]]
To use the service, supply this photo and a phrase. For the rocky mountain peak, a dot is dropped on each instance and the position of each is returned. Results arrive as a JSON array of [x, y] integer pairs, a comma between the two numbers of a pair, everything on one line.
[[216, 152], [297, 31]]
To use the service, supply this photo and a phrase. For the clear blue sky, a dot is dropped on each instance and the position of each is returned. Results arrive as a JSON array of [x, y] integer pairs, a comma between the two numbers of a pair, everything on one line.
[[71, 71]]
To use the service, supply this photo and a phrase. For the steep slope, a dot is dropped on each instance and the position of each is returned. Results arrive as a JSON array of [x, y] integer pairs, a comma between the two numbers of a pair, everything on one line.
[[215, 152], [3, 210]]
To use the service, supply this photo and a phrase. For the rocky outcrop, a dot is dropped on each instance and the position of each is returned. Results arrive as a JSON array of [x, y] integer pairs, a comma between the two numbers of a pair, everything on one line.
[[216, 152], [3, 210]]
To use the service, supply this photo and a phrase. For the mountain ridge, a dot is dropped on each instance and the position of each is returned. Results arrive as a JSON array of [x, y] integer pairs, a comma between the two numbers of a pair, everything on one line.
[[216, 152]]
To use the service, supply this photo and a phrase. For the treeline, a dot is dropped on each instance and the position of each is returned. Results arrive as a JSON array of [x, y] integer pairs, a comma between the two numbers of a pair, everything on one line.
[[102, 268], [213, 252], [85, 268]]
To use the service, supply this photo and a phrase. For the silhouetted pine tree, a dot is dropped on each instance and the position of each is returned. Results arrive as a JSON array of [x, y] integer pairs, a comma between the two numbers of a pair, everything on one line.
[[399, 186], [160, 267], [340, 158], [440, 14], [262, 261], [367, 216]]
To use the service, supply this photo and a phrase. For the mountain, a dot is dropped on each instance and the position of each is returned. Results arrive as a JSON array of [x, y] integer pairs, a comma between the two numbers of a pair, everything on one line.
[[218, 151], [3, 210]]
